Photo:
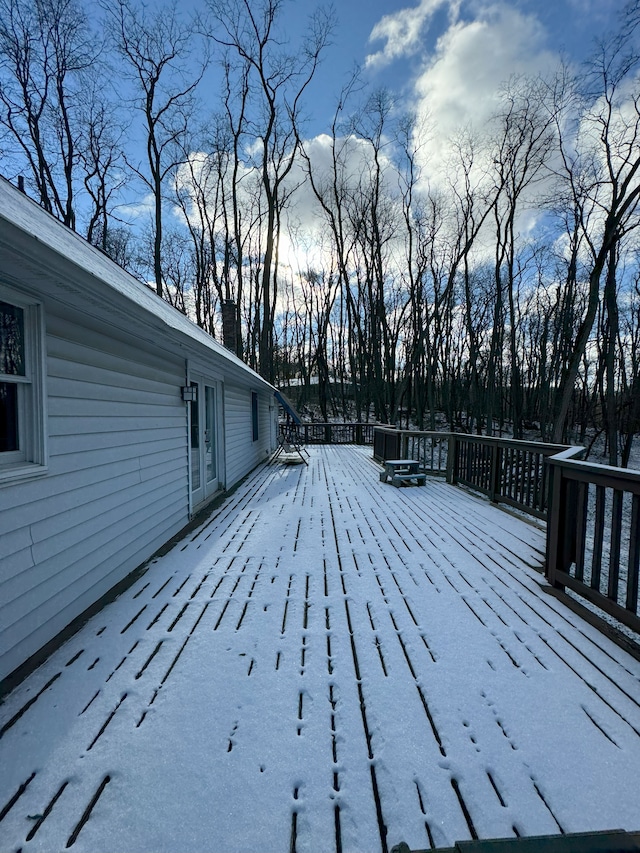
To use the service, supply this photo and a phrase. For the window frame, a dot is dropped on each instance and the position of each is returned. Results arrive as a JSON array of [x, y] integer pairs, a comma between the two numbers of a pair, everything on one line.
[[32, 456]]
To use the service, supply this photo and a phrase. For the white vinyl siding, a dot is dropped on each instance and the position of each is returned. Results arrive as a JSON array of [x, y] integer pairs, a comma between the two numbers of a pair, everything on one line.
[[117, 486], [107, 441], [243, 453]]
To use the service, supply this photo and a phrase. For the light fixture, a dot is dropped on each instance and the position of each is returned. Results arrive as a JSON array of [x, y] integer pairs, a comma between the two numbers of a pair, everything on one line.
[[189, 393]]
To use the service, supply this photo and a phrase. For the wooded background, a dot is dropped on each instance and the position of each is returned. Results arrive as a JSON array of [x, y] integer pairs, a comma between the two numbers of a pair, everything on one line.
[[497, 291]]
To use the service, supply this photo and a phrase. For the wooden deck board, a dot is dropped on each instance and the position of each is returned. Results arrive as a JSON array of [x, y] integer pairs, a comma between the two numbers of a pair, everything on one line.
[[327, 663]]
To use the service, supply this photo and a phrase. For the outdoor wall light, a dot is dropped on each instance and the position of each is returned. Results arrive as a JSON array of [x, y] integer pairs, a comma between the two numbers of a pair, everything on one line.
[[189, 393]]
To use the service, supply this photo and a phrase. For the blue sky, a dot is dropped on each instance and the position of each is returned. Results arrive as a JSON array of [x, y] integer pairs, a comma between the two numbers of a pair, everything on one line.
[[421, 48], [444, 60]]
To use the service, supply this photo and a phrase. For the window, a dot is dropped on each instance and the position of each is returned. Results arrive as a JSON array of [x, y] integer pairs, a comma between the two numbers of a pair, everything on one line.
[[22, 437], [254, 415]]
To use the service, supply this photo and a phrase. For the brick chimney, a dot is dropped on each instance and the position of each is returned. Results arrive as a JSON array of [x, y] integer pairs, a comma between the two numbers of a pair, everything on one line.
[[229, 324]]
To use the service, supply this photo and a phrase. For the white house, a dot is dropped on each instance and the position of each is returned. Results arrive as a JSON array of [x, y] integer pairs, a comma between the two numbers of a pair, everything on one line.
[[101, 459]]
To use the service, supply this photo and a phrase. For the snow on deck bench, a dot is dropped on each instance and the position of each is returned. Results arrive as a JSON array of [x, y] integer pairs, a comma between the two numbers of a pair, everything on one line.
[[327, 664]]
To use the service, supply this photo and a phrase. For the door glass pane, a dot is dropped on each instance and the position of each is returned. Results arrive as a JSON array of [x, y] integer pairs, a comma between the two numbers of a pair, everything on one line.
[[195, 443], [210, 433], [8, 417], [11, 340]]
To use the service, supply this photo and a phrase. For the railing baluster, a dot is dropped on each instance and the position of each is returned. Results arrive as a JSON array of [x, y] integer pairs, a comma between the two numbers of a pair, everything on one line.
[[541, 484], [554, 526], [581, 528], [544, 489], [616, 536], [494, 483], [634, 557], [598, 538], [487, 468], [569, 542]]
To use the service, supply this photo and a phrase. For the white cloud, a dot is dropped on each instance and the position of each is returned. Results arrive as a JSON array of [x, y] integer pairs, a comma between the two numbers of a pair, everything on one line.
[[301, 242], [403, 31], [140, 208], [460, 87], [306, 243]]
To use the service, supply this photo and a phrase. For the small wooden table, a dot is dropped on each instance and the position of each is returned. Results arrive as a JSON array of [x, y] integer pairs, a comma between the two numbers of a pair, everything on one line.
[[401, 471]]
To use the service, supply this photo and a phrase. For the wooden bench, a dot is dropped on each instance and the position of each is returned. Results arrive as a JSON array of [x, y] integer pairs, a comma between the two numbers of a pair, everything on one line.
[[402, 471]]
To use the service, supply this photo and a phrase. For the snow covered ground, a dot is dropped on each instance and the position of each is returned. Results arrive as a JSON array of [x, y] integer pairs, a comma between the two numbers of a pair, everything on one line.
[[328, 663]]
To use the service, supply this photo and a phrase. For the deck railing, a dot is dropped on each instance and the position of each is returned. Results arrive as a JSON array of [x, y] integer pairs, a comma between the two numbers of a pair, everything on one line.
[[331, 433], [592, 511], [506, 470], [593, 534]]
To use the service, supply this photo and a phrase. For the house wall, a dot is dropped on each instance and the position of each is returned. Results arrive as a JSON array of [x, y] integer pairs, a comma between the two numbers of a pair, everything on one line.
[[100, 480], [242, 453], [115, 491]]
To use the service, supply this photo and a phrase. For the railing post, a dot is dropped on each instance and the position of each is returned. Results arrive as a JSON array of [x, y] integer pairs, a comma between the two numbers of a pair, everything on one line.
[[404, 444], [452, 462], [390, 444], [327, 434], [359, 439]]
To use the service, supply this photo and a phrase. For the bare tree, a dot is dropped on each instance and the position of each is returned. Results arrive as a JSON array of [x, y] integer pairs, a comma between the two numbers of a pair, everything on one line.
[[524, 144], [332, 190], [603, 176], [155, 46], [46, 50], [101, 155], [277, 80]]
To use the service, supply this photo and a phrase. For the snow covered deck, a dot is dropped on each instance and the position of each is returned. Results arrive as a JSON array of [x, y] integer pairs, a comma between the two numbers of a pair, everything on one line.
[[329, 663]]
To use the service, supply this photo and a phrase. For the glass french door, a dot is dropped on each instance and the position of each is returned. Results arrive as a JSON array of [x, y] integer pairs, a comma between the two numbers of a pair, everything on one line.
[[204, 445]]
